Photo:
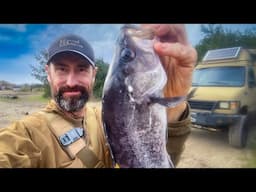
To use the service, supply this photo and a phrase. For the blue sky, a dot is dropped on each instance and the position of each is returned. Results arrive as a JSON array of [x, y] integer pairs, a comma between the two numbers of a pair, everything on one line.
[[19, 43]]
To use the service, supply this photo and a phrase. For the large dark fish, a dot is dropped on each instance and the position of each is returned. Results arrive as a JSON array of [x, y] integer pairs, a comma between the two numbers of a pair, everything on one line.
[[134, 113]]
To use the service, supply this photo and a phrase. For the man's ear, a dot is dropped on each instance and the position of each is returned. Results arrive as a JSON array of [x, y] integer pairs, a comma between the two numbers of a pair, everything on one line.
[[94, 74], [47, 71]]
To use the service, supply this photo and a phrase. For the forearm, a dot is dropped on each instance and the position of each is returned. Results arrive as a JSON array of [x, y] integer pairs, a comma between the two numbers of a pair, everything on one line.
[[178, 131]]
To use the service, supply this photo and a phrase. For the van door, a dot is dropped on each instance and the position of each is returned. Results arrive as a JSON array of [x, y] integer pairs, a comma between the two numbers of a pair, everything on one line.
[[251, 91]]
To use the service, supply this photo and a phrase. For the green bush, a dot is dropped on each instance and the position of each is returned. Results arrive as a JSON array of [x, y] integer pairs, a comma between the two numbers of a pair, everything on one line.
[[100, 78], [47, 91]]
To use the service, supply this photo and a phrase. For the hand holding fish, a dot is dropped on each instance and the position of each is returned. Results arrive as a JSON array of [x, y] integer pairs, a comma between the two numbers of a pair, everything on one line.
[[178, 58]]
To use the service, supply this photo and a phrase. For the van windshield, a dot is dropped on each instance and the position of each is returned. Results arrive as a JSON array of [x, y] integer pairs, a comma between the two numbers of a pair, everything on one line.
[[219, 76]]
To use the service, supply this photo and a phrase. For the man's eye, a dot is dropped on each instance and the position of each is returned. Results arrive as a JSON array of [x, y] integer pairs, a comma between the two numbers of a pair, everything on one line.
[[84, 69], [61, 69]]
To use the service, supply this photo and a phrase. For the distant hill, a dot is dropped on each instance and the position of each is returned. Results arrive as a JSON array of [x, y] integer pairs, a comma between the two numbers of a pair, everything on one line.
[[5, 85]]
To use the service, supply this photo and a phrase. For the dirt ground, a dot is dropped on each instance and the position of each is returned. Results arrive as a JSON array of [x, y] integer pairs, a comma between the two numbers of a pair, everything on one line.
[[204, 149], [210, 149], [14, 109]]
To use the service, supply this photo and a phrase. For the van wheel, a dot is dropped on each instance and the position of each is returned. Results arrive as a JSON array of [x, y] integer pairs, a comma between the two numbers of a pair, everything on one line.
[[238, 132]]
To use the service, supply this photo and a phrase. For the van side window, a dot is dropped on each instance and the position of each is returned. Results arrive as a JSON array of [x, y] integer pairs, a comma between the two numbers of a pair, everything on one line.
[[251, 78]]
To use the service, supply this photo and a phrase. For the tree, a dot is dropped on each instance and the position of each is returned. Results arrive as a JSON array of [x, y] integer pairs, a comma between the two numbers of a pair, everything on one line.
[[216, 37], [100, 77], [38, 71]]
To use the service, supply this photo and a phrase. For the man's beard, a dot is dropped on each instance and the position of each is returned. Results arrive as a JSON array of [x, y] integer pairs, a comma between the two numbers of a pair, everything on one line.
[[73, 103]]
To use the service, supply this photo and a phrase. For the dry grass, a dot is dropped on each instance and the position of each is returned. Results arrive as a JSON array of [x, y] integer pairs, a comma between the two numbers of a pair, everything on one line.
[[27, 103]]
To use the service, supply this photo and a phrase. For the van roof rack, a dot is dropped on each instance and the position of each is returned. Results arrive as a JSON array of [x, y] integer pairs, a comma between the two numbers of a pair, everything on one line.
[[218, 54]]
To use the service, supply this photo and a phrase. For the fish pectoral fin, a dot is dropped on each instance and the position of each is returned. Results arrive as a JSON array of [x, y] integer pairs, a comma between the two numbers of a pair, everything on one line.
[[168, 101]]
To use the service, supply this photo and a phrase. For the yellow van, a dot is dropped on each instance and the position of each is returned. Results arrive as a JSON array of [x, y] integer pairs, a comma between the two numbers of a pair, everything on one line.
[[224, 92]]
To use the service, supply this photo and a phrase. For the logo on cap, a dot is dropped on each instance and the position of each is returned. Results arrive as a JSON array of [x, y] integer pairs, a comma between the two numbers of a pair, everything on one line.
[[67, 42], [72, 43]]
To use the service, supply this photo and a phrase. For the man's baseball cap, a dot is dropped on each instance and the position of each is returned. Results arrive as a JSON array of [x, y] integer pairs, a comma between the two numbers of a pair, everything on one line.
[[72, 43]]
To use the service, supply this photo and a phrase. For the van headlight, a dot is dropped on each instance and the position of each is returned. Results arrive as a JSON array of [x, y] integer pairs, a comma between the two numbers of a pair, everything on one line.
[[224, 105], [232, 105]]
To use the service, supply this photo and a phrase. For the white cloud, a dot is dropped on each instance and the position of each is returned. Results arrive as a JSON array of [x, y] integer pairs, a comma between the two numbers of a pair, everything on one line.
[[14, 27]]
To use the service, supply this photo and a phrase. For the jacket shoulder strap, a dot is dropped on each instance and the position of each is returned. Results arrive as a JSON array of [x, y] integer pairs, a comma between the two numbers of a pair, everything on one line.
[[72, 140]]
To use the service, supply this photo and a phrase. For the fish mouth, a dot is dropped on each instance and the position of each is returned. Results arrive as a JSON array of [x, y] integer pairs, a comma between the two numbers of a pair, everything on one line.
[[139, 32]]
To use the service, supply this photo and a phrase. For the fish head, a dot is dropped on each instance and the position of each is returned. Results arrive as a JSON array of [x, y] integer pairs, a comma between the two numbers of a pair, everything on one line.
[[136, 63]]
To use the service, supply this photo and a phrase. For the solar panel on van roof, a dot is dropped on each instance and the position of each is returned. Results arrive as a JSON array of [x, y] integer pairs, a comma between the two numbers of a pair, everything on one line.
[[217, 54]]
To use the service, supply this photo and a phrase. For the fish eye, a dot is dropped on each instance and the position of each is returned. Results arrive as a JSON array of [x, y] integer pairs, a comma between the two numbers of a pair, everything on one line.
[[127, 54]]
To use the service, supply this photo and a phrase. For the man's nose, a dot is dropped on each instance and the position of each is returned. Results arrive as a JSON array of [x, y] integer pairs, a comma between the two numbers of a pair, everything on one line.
[[71, 79]]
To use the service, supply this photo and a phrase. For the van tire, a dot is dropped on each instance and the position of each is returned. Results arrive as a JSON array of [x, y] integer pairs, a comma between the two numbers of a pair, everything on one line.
[[238, 132]]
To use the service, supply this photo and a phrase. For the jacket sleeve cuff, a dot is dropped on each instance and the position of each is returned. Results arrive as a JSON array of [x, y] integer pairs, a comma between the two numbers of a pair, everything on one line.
[[182, 126]]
